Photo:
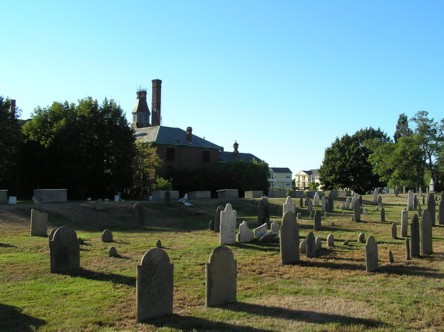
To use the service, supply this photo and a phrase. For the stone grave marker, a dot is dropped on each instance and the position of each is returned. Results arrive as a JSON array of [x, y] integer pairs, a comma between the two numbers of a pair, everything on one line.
[[419, 210], [414, 236], [330, 202], [219, 209], [441, 212], [426, 233], [228, 225], [309, 206], [303, 247], [356, 211], [311, 245], [138, 215], [394, 231], [301, 202], [396, 191], [317, 221], [415, 202], [154, 285], [348, 201], [323, 203], [245, 233], [382, 214], [269, 237], [404, 222], [330, 240], [391, 258], [380, 201], [274, 227], [112, 252], [263, 213], [407, 249], [375, 196], [260, 231], [64, 249], [316, 199], [371, 254], [288, 206], [289, 239], [107, 236], [221, 277], [99, 205], [39, 223], [361, 238], [410, 200], [431, 206], [51, 234], [318, 243]]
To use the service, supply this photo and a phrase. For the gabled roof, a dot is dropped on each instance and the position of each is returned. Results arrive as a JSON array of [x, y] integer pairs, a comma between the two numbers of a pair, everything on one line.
[[226, 157], [172, 136], [314, 172], [280, 170]]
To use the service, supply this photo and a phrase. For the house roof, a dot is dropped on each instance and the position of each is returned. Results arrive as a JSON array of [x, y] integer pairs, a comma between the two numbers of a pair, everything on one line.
[[226, 157], [280, 170], [314, 172], [172, 136]]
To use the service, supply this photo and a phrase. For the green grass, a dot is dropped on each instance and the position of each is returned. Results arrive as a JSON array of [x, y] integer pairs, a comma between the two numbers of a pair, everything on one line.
[[331, 292]]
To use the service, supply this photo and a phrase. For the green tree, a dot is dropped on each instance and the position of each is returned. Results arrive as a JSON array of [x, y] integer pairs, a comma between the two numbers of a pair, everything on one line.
[[346, 163], [402, 127], [145, 163], [87, 148], [10, 140]]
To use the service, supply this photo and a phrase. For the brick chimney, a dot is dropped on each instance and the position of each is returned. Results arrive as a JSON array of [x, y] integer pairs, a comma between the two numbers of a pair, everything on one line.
[[189, 134], [155, 107]]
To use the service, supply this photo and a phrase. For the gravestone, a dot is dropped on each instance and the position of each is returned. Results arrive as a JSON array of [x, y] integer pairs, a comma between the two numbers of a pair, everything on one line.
[[138, 215], [415, 202], [431, 185], [274, 227], [330, 202], [303, 247], [371, 254], [306, 200], [431, 206], [356, 211], [414, 236], [361, 238], [228, 225], [221, 277], [219, 209], [330, 240], [260, 231], [245, 233], [317, 221], [51, 234], [263, 213], [380, 201], [426, 233], [309, 206], [316, 199], [410, 200], [407, 249], [419, 210], [404, 223], [112, 252], [420, 191], [301, 202], [268, 237], [394, 231], [107, 236], [382, 214], [375, 196], [39, 223], [324, 204], [310, 245], [154, 285], [318, 243], [348, 201], [396, 191], [289, 239], [391, 258], [159, 244], [64, 250], [288, 206], [441, 212], [99, 205]]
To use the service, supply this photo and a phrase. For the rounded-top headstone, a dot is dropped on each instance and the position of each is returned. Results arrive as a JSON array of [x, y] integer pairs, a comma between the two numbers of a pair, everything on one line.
[[107, 236], [361, 238], [112, 252]]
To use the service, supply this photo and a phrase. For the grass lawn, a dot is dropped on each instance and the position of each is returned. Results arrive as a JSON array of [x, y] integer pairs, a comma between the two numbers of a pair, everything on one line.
[[331, 292]]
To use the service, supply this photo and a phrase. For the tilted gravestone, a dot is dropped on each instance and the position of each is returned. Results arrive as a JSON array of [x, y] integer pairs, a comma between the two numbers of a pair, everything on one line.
[[154, 285], [317, 221], [357, 211], [263, 213], [107, 236], [288, 206], [221, 277], [431, 206], [382, 214], [245, 233], [138, 215], [371, 254], [330, 240], [441, 212], [394, 231], [410, 200], [228, 225], [289, 239], [260, 231], [426, 233], [64, 250], [219, 209], [311, 245], [39, 223], [404, 222], [414, 236]]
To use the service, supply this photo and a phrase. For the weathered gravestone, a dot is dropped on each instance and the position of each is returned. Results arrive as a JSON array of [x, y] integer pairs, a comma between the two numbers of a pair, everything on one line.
[[380, 201], [221, 277], [107, 236], [357, 211], [309, 206], [330, 202], [306, 200], [382, 214], [301, 202], [274, 227], [419, 210], [228, 225], [316, 199], [317, 221], [348, 202], [330, 240], [303, 247], [288, 206], [323, 203], [154, 285], [431, 206], [361, 238], [112, 252], [375, 197], [407, 248], [391, 258], [269, 237], [414, 236], [426, 233], [138, 215], [404, 222], [263, 213], [310, 245], [318, 243], [396, 191], [394, 231], [99, 205], [39, 223], [289, 239], [64, 250], [415, 202], [371, 254], [441, 212], [260, 231], [410, 200], [245, 233], [219, 209]]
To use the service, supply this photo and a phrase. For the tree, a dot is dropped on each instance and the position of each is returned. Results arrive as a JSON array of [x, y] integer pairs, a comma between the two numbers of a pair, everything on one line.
[[402, 127], [145, 163], [87, 148], [346, 163], [10, 140]]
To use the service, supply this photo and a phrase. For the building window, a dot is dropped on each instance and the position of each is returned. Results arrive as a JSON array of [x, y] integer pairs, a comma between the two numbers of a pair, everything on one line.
[[171, 154], [206, 156]]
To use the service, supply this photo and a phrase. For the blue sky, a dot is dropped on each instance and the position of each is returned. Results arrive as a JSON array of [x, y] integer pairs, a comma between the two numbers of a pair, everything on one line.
[[283, 78]]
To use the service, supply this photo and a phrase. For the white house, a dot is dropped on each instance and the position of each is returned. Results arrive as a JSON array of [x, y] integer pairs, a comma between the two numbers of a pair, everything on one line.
[[280, 178], [303, 179]]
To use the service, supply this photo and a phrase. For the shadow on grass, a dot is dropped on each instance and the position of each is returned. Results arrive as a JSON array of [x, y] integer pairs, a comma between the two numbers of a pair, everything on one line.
[[100, 276], [5, 245], [262, 246], [405, 270], [333, 265], [12, 319], [189, 323], [301, 315]]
